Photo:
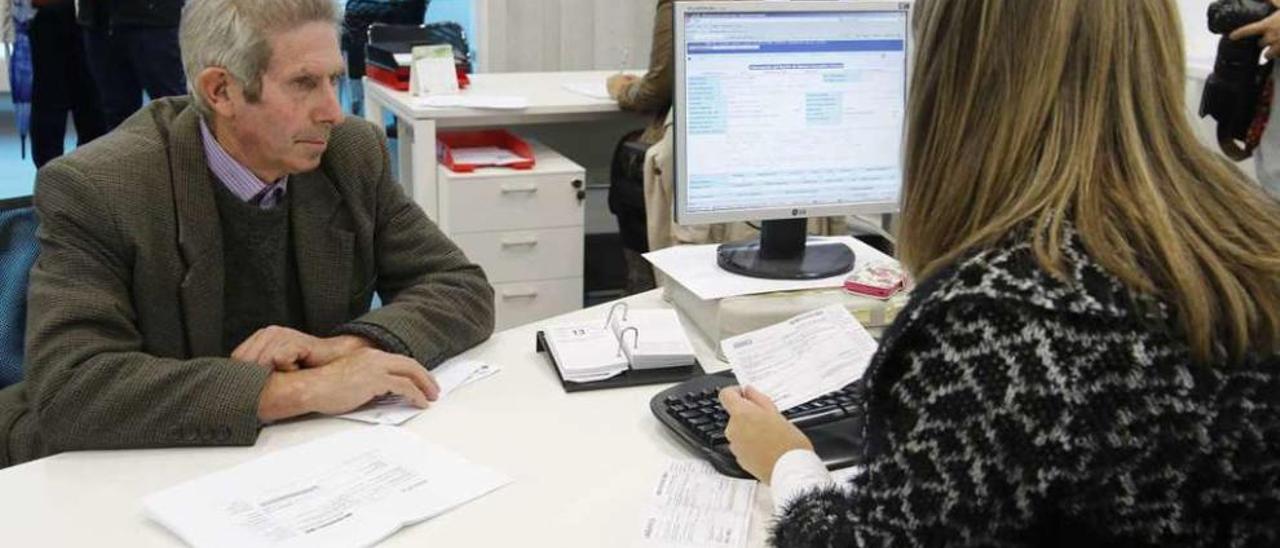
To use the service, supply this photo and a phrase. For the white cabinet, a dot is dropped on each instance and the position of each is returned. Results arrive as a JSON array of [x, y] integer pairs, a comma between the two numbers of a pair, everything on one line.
[[525, 228]]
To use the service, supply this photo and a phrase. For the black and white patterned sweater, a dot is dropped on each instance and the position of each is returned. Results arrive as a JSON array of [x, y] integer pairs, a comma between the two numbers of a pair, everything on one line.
[[1007, 408]]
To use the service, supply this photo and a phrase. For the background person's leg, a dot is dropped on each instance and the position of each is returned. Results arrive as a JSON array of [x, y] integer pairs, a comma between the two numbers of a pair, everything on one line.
[[156, 59], [49, 97], [118, 87]]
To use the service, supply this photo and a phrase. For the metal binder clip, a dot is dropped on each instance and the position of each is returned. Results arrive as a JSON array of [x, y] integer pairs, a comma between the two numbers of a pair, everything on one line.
[[622, 338], [615, 306]]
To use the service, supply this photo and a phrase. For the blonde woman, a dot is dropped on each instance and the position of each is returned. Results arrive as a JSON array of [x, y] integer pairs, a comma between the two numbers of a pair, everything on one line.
[[1090, 358]]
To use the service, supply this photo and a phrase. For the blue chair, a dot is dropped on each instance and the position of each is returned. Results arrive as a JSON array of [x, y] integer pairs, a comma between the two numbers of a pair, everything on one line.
[[18, 249]]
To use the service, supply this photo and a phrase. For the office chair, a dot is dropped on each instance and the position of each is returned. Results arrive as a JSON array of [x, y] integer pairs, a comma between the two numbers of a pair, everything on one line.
[[18, 250]]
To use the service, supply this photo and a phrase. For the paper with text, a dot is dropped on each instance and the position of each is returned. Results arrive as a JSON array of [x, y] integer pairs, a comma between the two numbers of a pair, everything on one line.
[[486, 156], [585, 353], [350, 489], [805, 357], [450, 376], [693, 506]]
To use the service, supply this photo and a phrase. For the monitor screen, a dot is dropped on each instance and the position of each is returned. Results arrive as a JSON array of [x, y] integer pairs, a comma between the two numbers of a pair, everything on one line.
[[789, 109]]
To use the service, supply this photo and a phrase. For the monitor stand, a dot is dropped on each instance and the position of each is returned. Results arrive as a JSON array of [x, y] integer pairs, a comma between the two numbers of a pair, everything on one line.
[[783, 252]]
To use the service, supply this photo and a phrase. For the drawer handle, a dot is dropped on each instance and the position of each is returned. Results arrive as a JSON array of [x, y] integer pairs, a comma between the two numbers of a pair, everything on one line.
[[525, 294], [520, 189], [526, 242]]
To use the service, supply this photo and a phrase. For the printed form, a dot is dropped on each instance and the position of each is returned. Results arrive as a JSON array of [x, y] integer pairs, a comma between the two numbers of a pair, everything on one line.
[[350, 489], [393, 410], [805, 357], [693, 506]]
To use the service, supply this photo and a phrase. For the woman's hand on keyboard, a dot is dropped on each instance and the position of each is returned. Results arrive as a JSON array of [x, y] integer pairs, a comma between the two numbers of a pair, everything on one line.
[[758, 434]]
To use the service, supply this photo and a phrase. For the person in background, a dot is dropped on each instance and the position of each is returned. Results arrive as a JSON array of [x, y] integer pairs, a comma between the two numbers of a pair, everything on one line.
[[207, 268], [1267, 155], [650, 95], [62, 83], [132, 48], [1092, 354]]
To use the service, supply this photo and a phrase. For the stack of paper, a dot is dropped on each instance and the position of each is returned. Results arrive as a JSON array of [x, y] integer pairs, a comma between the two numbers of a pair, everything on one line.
[[653, 339], [486, 156], [585, 353], [595, 90], [471, 100], [694, 507], [450, 376], [350, 489], [805, 357]]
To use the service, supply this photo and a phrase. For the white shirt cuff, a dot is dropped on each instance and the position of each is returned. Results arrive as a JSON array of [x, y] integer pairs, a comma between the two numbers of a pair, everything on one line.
[[799, 471]]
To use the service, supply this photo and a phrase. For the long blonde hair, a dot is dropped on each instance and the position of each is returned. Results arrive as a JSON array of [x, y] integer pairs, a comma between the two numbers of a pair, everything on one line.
[[1039, 113]]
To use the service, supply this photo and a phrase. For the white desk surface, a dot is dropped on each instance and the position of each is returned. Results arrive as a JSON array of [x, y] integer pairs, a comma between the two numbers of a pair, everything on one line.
[[582, 463], [549, 100]]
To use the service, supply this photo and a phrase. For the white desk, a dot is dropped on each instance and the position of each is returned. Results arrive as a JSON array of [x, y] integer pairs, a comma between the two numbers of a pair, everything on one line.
[[582, 463], [549, 103]]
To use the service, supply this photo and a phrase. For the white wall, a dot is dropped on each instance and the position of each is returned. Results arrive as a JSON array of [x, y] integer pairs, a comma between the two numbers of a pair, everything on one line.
[[1202, 47], [1201, 44], [550, 35]]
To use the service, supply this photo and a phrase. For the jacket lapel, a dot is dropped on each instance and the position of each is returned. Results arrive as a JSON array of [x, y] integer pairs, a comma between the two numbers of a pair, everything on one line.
[[324, 253], [199, 237]]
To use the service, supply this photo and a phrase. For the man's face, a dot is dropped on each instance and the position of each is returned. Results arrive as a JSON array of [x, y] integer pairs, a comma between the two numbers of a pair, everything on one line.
[[287, 129]]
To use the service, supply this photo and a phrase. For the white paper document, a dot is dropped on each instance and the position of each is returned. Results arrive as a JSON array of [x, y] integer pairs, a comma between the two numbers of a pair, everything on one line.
[[653, 339], [585, 353], [805, 357], [450, 376], [350, 489], [486, 156], [433, 70], [468, 100], [692, 506], [694, 266], [596, 90]]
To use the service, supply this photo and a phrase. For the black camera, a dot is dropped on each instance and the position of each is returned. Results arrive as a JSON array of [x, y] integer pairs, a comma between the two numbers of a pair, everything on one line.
[[1232, 92]]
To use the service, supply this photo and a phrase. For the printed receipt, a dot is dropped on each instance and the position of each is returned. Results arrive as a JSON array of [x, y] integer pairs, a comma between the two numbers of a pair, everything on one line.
[[692, 506], [805, 357]]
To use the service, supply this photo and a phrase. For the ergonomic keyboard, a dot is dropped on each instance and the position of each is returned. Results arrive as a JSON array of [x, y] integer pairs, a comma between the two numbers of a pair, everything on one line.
[[692, 411]]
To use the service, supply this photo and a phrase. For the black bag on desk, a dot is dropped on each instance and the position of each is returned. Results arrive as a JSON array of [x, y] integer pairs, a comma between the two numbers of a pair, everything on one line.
[[626, 191]]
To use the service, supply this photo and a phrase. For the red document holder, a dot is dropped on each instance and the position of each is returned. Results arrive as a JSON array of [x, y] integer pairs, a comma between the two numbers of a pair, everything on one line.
[[447, 141]]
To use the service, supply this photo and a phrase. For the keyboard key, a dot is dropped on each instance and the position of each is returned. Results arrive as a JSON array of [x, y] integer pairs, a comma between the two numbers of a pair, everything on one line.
[[689, 413]]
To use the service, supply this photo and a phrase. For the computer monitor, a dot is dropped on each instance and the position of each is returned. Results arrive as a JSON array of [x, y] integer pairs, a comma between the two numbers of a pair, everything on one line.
[[784, 111]]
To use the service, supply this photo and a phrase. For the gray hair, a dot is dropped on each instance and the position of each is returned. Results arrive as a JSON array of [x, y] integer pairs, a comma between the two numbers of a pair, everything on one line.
[[233, 34]]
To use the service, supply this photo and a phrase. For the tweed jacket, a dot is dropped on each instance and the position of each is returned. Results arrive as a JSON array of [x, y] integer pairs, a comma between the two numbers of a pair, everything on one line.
[[124, 330], [1007, 407]]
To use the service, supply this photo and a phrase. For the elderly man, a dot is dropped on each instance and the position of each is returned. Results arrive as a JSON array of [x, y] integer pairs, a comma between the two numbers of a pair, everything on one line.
[[208, 267]]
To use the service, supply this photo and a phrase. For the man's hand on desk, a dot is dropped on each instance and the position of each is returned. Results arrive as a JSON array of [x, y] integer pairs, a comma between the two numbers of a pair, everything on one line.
[[344, 385], [619, 83], [284, 349]]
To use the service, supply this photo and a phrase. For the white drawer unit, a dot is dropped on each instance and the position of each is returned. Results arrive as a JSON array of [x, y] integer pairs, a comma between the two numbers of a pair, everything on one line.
[[525, 228], [513, 256], [519, 303]]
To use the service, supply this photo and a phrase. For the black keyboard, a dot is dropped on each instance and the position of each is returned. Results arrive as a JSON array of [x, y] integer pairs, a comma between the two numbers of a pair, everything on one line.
[[693, 412]]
